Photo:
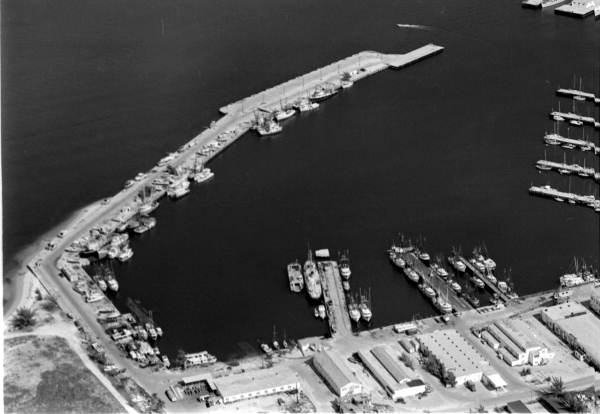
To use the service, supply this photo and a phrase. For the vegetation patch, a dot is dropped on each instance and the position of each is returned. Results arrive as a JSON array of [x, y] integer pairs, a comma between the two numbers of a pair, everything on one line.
[[44, 375]]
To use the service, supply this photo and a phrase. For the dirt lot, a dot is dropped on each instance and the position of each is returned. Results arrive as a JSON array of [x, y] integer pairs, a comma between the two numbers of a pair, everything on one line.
[[43, 374]]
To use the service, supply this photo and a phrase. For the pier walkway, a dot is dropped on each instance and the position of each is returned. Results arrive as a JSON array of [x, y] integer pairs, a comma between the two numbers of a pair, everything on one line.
[[570, 168], [556, 139], [492, 287], [427, 275], [335, 299], [547, 191], [576, 117], [572, 93]]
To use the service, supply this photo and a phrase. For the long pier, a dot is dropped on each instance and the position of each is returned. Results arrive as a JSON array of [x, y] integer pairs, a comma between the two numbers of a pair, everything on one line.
[[360, 65], [575, 117], [427, 274], [548, 191], [492, 287], [583, 145], [335, 300], [572, 93], [570, 168]]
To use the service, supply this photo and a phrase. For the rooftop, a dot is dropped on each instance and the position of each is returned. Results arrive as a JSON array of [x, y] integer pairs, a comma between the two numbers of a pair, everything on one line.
[[251, 381], [453, 350], [331, 366], [389, 362]]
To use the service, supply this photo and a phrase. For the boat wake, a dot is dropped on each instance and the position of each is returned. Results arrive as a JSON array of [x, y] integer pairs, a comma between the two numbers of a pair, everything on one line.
[[414, 26]]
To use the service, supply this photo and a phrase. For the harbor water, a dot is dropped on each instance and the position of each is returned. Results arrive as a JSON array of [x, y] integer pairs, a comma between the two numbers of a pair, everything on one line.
[[444, 149]]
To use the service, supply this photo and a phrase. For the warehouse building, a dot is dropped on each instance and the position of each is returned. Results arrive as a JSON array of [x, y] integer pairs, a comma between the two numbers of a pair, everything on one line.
[[516, 342], [390, 363], [337, 375], [396, 389], [577, 326], [257, 383], [455, 353]]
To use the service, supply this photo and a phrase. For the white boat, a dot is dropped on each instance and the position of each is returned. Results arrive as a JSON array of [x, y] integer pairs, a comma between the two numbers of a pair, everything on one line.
[[322, 93], [305, 105], [268, 127], [284, 113], [428, 291], [575, 122], [322, 312], [459, 265], [345, 266], [148, 207], [571, 279], [345, 84], [502, 286], [178, 192], [491, 277], [126, 254], [113, 284], [365, 312], [411, 274], [441, 272], [478, 282], [165, 361], [455, 286], [443, 305], [489, 264], [558, 118], [102, 285], [354, 312], [346, 285], [316, 312], [93, 296], [424, 256], [159, 331], [113, 251], [312, 279]]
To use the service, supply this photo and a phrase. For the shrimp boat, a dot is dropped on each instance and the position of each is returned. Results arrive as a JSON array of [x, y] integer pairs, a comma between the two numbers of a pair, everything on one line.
[[353, 310], [284, 113], [427, 290], [477, 282], [443, 304], [364, 308], [412, 275], [345, 266], [394, 255]]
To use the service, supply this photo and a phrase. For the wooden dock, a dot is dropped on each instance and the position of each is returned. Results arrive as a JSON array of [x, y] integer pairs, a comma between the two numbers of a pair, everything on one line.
[[435, 281], [492, 287], [335, 299]]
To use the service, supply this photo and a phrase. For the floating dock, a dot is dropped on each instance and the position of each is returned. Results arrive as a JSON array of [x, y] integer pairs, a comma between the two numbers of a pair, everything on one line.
[[570, 168], [576, 117], [572, 93], [492, 287], [539, 4], [556, 139], [335, 299], [547, 191], [579, 8]]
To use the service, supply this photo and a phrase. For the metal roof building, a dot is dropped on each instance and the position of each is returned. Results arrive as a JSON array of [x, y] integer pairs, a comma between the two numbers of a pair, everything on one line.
[[577, 326], [258, 383], [390, 363], [335, 372], [455, 353]]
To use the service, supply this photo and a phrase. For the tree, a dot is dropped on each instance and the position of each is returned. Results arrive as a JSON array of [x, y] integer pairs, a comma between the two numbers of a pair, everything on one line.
[[525, 371], [470, 385], [573, 403], [406, 359], [449, 378], [50, 303], [557, 387], [24, 317], [156, 404]]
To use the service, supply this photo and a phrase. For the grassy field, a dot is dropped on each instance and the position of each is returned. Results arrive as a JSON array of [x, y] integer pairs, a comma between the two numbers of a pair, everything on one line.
[[44, 375]]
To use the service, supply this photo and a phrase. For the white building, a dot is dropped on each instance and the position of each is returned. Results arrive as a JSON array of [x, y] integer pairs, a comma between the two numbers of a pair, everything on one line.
[[255, 384], [335, 372], [577, 326], [455, 353], [518, 339]]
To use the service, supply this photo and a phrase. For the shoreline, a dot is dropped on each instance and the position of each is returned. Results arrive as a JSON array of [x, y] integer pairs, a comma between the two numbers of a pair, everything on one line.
[[19, 275]]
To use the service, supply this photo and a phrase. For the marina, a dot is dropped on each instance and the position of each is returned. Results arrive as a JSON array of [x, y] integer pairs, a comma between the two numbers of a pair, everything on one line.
[[570, 116], [570, 143], [560, 196], [575, 93]]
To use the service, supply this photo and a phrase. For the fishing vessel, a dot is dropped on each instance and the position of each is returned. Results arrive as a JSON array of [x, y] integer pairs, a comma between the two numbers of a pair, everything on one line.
[[427, 290], [490, 276], [443, 273], [311, 278], [346, 285], [424, 256], [268, 127], [112, 283], [305, 105], [364, 306], [295, 276], [353, 311], [322, 92], [477, 282], [502, 286], [394, 256], [345, 266], [412, 275], [284, 113], [322, 312], [178, 188], [102, 284], [126, 254], [455, 286], [443, 304]]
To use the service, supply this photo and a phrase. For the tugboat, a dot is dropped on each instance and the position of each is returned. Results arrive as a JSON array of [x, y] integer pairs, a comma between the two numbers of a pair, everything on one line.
[[345, 266]]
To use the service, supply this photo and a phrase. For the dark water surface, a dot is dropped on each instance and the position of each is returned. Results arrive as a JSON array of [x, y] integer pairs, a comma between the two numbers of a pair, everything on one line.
[[96, 91]]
